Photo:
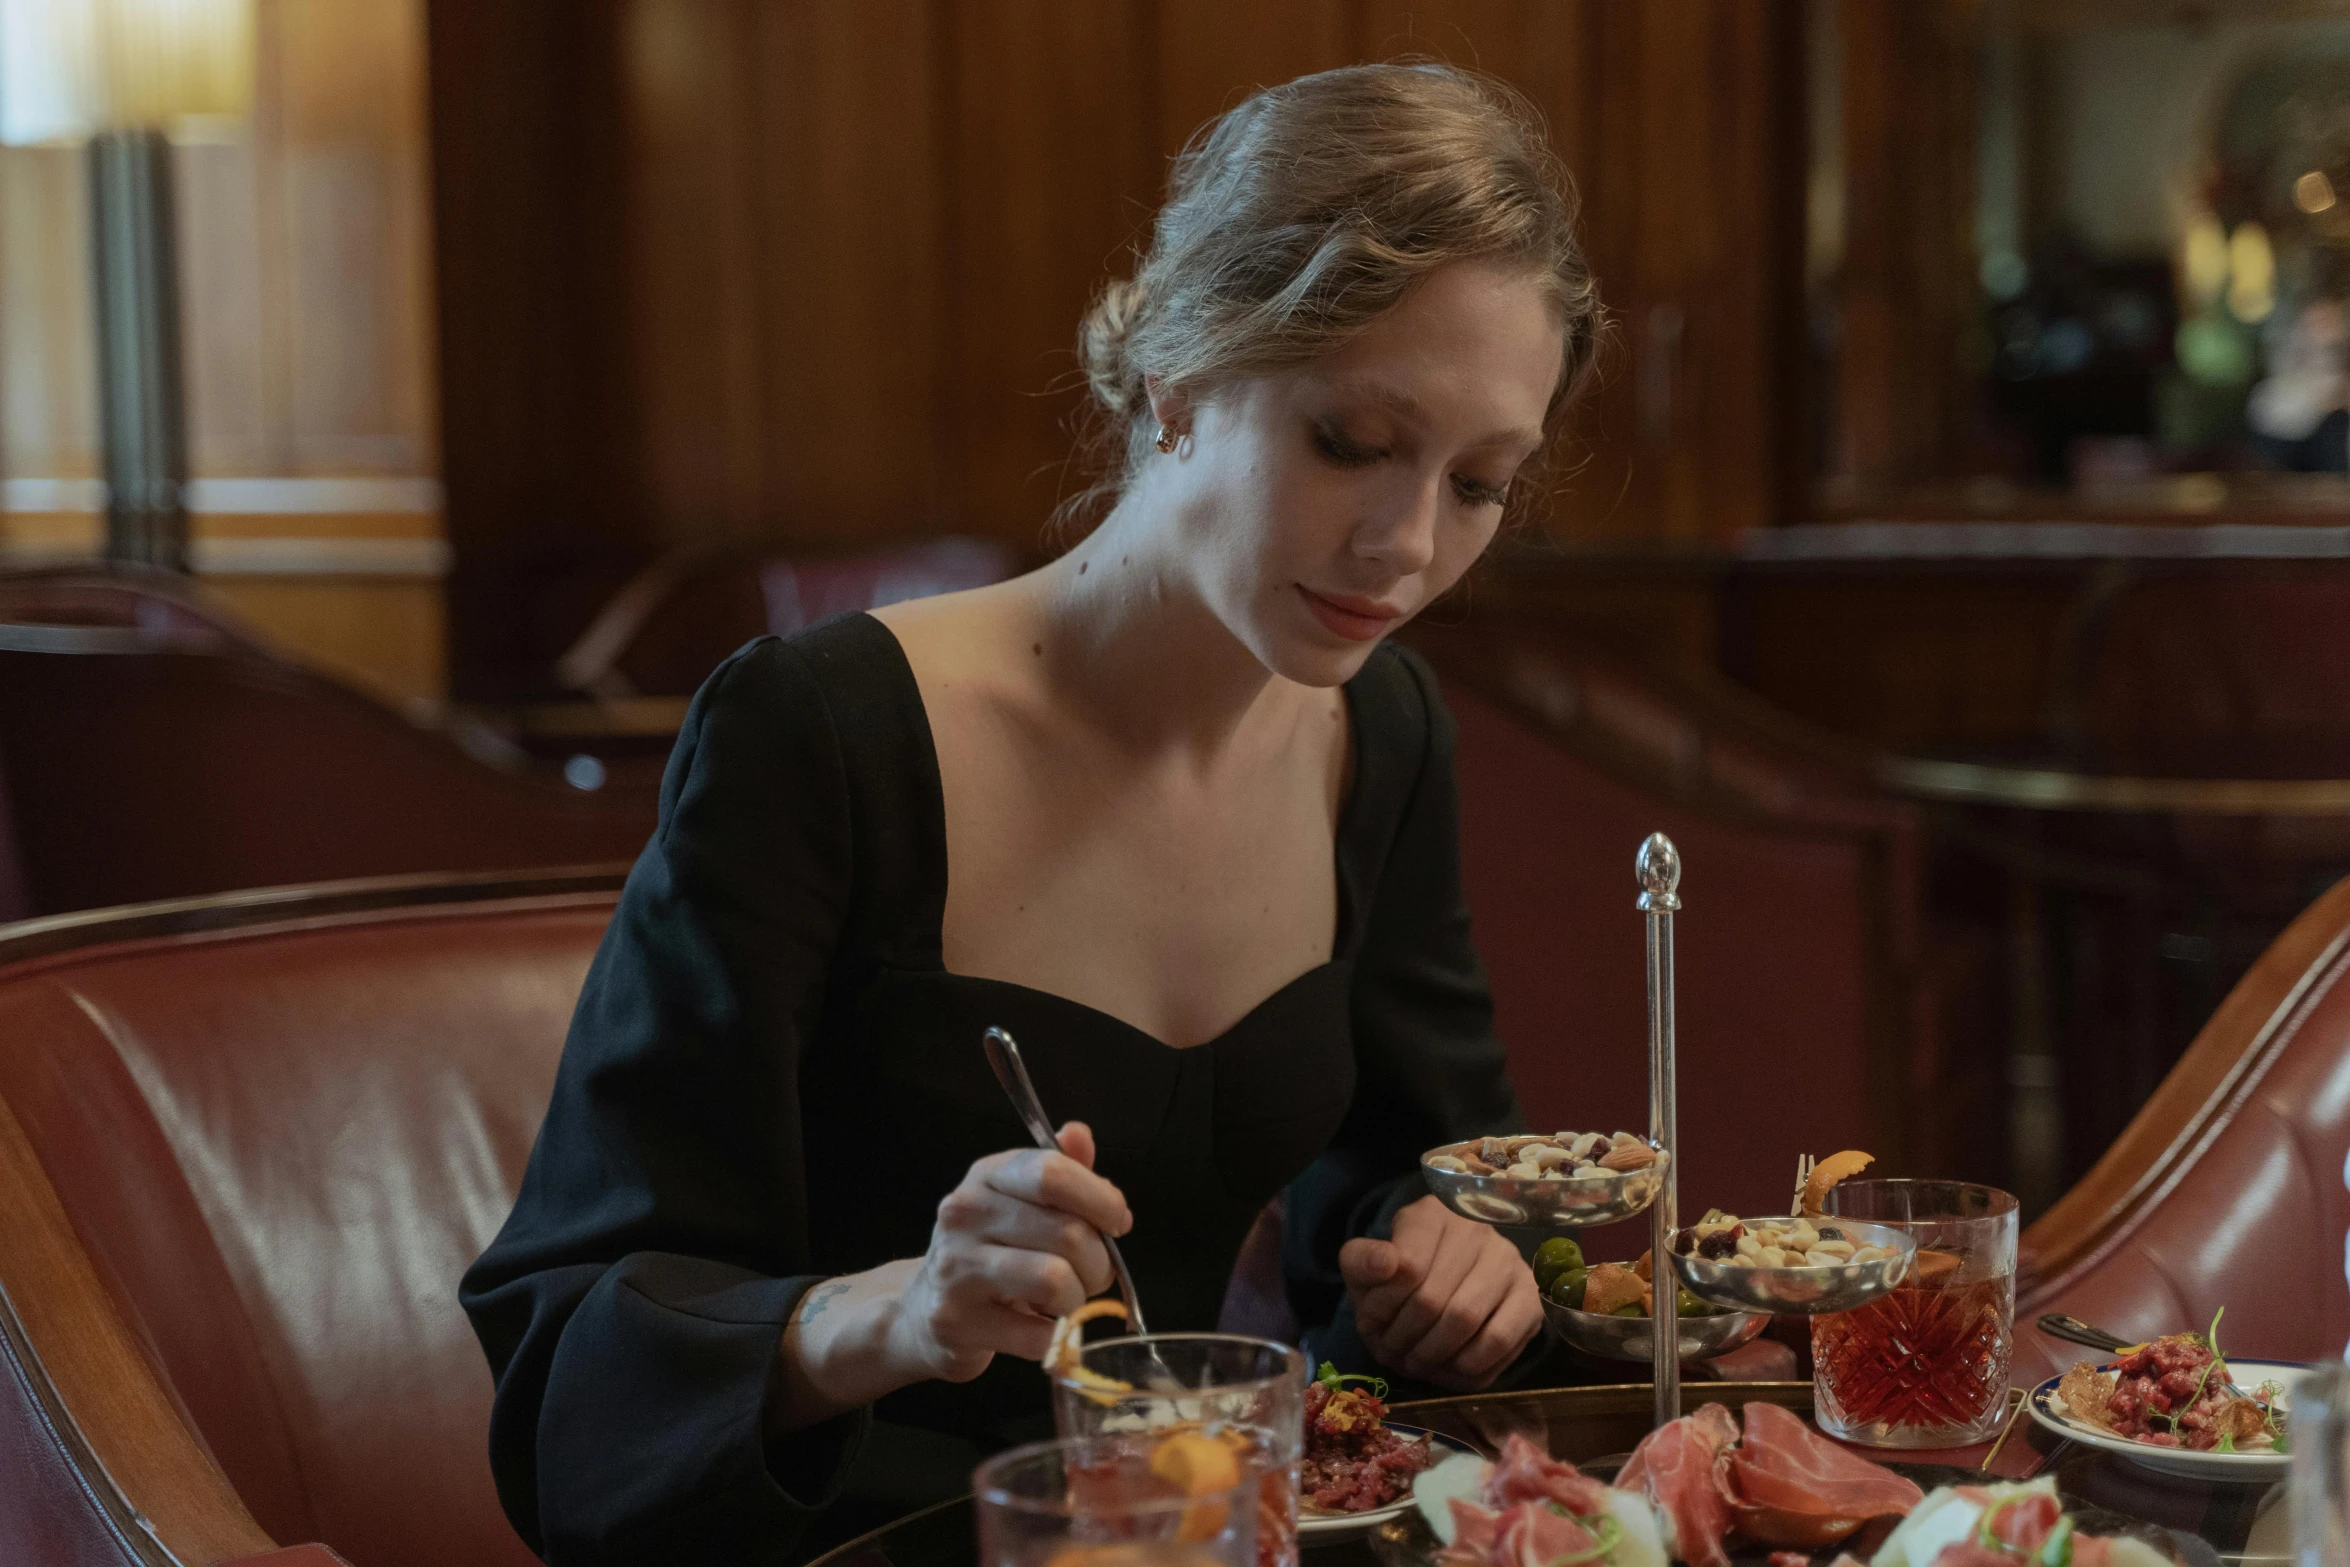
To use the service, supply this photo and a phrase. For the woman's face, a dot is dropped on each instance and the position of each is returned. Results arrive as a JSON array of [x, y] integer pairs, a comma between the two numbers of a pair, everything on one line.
[[1324, 506]]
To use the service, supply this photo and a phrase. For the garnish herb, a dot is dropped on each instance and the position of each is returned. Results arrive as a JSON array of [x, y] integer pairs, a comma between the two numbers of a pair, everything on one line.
[[1604, 1535], [1330, 1377], [2269, 1393], [2210, 1342]]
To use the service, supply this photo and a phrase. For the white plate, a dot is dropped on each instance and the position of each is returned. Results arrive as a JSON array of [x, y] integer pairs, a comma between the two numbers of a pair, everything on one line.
[[1330, 1528], [2242, 1467]]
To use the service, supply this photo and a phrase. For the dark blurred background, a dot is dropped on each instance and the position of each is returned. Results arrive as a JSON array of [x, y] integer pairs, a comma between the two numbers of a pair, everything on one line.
[[1956, 554]]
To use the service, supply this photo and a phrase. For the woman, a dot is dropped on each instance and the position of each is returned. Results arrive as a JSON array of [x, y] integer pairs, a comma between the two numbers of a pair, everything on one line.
[[1168, 809]]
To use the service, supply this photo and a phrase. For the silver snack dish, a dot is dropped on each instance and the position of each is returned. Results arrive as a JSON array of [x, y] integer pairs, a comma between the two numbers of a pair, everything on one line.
[[1634, 1338], [1571, 1202], [1802, 1291]]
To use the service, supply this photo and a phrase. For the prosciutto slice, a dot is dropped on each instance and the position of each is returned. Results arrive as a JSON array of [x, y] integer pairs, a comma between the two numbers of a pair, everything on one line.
[[1531, 1510], [1528, 1474], [1537, 1536], [1792, 1486], [1779, 1484], [1681, 1468]]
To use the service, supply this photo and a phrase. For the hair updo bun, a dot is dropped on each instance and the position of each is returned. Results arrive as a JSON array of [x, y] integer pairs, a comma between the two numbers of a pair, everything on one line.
[[1101, 349], [1301, 216]]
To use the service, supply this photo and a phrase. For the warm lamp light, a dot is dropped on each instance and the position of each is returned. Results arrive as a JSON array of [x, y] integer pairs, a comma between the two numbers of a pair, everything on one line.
[[117, 72], [2252, 274], [74, 68], [2204, 259]]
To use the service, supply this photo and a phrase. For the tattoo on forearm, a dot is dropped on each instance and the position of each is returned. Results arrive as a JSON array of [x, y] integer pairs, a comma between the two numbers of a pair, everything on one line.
[[819, 1299]]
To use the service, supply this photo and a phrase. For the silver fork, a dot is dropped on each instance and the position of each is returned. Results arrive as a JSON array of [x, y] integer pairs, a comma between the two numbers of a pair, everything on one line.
[[1004, 1056]]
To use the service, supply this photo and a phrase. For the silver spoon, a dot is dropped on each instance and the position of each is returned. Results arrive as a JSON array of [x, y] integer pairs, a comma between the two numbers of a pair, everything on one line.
[[1004, 1056]]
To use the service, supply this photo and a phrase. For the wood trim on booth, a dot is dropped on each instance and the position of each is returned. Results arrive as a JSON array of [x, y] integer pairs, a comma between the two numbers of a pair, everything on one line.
[[2196, 1101], [149, 1475], [25, 940], [107, 1404]]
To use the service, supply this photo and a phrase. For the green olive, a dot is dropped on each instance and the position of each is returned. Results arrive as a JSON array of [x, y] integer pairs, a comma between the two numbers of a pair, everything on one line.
[[1630, 1308], [1567, 1288], [1560, 1254], [1690, 1306]]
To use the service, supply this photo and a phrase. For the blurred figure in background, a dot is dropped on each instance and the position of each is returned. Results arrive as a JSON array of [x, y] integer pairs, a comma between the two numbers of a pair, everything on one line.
[[2300, 412]]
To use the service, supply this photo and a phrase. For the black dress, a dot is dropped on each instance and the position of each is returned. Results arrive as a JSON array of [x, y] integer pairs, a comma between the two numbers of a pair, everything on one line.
[[772, 1078]]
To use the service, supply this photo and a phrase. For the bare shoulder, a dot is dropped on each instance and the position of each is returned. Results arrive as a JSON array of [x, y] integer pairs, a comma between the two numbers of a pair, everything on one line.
[[955, 637], [967, 647]]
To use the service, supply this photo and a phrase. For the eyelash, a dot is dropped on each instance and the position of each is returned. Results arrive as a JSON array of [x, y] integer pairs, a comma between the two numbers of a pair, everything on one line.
[[1336, 448]]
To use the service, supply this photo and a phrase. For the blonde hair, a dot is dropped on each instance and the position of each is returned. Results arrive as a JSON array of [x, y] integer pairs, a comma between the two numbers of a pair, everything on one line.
[[1298, 218]]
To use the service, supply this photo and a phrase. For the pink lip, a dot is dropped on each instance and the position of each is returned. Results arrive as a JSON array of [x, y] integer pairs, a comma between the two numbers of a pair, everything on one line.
[[1358, 620]]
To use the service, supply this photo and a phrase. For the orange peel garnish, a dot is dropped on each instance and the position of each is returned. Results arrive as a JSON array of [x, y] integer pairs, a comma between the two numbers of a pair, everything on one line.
[[1068, 1343], [1199, 1466], [1825, 1174]]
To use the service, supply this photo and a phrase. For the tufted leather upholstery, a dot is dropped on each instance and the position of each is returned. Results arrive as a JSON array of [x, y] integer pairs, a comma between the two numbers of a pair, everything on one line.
[[280, 1145], [2227, 1190]]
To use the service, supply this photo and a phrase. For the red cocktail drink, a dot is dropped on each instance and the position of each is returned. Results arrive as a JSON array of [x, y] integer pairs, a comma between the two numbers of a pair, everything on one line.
[[1925, 1365]]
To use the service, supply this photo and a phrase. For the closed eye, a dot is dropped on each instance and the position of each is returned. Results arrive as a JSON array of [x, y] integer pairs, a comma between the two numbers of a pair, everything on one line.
[[1474, 493], [1335, 447]]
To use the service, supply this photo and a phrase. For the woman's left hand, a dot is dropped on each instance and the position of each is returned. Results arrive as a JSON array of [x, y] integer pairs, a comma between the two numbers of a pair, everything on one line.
[[1447, 1300]]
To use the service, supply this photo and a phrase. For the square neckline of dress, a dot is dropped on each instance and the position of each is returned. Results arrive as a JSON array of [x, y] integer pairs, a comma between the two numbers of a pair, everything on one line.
[[1348, 913]]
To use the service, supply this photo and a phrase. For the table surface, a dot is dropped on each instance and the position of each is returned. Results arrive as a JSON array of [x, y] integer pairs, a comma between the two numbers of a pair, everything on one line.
[[2243, 1523]]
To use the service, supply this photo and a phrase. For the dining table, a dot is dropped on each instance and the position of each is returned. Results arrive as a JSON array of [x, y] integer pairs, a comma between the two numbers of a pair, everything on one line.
[[2212, 1522]]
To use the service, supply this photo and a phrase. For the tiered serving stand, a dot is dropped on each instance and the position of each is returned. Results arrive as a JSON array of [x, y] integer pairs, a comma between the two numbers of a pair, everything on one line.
[[1750, 1295]]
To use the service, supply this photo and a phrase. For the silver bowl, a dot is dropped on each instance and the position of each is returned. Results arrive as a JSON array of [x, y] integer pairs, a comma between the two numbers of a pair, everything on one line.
[[1634, 1338], [1800, 1291], [1574, 1202]]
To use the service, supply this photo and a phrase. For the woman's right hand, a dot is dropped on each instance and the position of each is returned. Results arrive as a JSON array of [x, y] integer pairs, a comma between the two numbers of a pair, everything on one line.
[[1017, 1244]]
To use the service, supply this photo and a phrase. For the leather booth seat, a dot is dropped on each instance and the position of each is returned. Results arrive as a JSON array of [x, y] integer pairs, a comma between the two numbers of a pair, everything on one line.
[[277, 1129], [2228, 1187]]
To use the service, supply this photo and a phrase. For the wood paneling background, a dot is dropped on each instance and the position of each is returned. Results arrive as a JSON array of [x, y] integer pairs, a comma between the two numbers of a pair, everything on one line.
[[722, 272]]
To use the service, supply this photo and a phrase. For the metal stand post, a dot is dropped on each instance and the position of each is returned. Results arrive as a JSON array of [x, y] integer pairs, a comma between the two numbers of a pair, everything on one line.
[[141, 409], [1659, 866]]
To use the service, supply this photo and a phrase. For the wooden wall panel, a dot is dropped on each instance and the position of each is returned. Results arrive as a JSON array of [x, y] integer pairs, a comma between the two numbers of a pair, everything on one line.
[[694, 100], [545, 508], [1688, 188], [1907, 284], [851, 205], [1054, 175]]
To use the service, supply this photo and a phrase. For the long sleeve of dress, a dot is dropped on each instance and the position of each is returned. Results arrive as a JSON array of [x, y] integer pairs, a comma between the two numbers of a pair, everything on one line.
[[633, 1304], [1429, 1067]]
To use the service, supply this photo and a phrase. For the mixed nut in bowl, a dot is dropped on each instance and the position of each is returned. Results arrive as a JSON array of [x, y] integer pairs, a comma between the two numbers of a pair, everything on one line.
[[1807, 1265], [1568, 1180], [1604, 1310]]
